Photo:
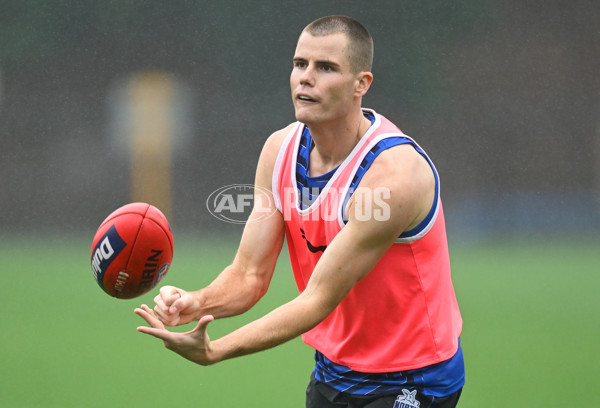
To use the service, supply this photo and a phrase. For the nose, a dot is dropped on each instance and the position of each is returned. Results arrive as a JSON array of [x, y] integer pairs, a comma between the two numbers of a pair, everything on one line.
[[307, 75]]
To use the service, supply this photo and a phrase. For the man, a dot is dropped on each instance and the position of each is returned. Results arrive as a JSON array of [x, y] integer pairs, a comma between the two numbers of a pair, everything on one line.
[[358, 202]]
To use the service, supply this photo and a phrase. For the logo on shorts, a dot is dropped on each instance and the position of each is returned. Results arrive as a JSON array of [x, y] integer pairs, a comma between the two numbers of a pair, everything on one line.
[[407, 400]]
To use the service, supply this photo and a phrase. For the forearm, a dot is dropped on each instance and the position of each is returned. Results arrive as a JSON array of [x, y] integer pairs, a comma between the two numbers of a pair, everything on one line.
[[232, 293], [279, 326], [247, 279], [347, 260]]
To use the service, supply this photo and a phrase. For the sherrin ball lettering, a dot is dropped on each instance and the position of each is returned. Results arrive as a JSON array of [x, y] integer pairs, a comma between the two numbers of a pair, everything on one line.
[[132, 250]]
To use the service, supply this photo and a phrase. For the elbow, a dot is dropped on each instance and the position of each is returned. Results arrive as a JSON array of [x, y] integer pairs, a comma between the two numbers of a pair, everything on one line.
[[256, 285], [262, 281]]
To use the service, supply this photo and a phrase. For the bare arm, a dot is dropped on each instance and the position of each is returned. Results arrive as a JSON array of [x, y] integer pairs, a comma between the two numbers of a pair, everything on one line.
[[246, 280], [349, 257]]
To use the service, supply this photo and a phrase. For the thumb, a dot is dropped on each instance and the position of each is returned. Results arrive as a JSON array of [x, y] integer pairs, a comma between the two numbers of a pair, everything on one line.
[[205, 320], [203, 324], [182, 300]]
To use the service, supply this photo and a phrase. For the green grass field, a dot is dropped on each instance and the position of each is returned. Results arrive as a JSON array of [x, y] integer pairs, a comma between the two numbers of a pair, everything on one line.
[[530, 339]]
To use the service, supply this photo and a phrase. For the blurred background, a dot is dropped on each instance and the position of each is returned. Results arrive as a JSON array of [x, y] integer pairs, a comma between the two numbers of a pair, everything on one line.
[[504, 96], [107, 102]]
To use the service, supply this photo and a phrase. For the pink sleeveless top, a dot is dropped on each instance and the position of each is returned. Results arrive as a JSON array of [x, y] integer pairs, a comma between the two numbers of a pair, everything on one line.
[[403, 314]]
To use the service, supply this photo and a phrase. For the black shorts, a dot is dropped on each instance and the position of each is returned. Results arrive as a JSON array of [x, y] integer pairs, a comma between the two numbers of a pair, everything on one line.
[[319, 395]]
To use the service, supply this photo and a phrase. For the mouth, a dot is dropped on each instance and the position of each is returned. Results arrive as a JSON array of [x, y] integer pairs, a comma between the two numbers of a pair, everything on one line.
[[305, 98]]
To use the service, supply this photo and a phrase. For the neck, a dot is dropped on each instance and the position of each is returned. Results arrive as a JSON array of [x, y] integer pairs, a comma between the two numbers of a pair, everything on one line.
[[333, 142]]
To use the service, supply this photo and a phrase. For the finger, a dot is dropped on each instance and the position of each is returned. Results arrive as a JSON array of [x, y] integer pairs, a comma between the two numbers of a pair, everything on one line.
[[205, 320], [169, 320], [161, 311], [159, 302], [162, 334], [169, 294], [167, 290], [143, 314], [203, 324], [163, 308], [165, 298], [176, 303], [184, 303], [148, 315]]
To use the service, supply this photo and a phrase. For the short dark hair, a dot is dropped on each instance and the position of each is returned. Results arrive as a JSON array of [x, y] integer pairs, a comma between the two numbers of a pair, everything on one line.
[[360, 41]]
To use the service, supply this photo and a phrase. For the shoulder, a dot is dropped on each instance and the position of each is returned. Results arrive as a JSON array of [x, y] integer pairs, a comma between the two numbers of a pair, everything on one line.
[[408, 182], [274, 142], [401, 163], [269, 153]]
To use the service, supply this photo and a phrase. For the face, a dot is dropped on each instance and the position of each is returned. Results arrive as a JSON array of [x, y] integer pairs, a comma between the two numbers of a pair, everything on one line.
[[324, 88]]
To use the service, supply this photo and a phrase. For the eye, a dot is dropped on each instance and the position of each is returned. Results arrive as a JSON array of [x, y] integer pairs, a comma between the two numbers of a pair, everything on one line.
[[299, 64], [325, 67]]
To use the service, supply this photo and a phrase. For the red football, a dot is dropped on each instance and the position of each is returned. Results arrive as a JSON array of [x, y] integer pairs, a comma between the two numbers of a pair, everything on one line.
[[132, 250]]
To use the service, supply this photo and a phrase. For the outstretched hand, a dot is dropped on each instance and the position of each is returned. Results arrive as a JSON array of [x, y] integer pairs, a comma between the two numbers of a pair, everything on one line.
[[194, 345]]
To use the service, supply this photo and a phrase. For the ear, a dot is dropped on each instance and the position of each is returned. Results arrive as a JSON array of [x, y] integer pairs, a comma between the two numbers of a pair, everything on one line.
[[363, 82]]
